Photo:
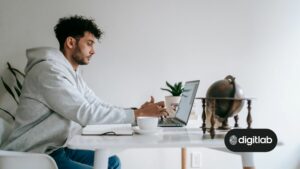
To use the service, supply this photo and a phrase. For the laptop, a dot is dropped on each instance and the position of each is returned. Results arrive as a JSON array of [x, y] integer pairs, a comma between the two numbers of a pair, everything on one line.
[[184, 108]]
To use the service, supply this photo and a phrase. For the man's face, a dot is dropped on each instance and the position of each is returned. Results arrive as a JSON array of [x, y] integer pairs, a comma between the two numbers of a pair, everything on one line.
[[84, 49]]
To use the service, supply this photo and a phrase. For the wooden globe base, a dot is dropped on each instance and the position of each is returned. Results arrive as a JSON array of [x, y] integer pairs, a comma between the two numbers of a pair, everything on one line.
[[225, 125]]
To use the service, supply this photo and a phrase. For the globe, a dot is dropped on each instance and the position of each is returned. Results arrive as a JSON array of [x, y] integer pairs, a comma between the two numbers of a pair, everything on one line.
[[227, 95]]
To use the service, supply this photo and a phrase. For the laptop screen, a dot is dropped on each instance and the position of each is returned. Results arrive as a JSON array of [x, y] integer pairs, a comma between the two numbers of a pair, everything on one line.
[[187, 100]]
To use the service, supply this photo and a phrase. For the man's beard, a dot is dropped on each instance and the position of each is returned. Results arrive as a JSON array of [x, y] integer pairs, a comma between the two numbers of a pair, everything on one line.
[[77, 56]]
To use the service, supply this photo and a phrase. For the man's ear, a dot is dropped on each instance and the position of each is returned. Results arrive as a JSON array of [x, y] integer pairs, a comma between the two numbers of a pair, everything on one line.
[[70, 42]]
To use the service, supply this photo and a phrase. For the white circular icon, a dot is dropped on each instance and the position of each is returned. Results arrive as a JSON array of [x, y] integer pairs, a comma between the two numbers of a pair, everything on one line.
[[233, 140]]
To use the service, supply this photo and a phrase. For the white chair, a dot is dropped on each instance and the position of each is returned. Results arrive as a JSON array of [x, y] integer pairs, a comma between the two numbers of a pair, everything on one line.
[[21, 160]]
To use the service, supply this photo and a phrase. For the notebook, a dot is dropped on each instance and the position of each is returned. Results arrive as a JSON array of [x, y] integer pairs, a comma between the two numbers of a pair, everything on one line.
[[184, 108], [108, 129]]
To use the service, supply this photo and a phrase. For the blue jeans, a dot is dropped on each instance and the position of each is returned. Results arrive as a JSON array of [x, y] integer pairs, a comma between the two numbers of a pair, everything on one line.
[[66, 158]]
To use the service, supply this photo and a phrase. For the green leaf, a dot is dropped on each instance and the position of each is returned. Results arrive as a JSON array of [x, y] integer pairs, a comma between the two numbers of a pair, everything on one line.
[[11, 69], [170, 86], [17, 91], [180, 85], [9, 90], [167, 90], [175, 89], [19, 84], [18, 71], [13, 117], [176, 94]]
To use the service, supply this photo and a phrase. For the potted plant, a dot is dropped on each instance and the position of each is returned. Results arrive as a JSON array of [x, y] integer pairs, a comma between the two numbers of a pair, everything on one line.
[[7, 118], [172, 101]]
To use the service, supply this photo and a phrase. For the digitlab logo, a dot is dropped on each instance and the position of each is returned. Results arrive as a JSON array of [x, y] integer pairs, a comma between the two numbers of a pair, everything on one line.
[[233, 140], [250, 140]]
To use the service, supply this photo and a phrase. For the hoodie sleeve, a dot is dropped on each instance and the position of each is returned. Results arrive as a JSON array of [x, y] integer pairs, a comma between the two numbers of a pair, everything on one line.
[[60, 93]]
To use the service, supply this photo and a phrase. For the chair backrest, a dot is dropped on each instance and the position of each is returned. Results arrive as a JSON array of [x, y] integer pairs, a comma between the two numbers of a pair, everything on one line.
[[21, 160]]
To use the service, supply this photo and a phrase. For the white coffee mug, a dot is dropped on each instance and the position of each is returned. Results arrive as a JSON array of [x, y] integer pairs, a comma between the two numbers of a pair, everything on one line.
[[147, 122]]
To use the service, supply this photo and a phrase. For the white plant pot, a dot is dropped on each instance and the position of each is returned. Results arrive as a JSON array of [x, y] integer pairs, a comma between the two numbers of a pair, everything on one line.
[[171, 103]]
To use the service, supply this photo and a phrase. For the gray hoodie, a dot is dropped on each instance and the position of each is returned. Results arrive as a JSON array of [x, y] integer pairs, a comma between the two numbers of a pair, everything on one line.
[[54, 96]]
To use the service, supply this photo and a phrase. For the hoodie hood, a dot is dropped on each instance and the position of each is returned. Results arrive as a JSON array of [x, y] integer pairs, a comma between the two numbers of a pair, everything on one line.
[[40, 54]]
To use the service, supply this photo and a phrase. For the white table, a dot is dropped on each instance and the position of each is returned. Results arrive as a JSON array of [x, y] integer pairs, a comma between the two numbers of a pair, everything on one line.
[[105, 146]]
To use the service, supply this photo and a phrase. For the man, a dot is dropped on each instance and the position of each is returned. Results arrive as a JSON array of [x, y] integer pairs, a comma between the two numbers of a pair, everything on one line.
[[54, 96]]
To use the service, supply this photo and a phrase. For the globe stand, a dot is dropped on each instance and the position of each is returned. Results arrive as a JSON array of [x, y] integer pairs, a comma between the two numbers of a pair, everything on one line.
[[236, 120], [225, 125]]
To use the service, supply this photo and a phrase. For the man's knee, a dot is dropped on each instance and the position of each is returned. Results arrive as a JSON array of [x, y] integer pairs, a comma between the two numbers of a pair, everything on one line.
[[114, 162]]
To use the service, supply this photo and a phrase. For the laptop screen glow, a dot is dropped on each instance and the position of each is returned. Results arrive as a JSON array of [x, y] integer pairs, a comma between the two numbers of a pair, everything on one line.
[[187, 100]]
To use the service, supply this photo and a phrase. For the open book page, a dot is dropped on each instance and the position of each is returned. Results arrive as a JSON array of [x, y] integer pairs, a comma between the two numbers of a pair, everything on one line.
[[108, 129]]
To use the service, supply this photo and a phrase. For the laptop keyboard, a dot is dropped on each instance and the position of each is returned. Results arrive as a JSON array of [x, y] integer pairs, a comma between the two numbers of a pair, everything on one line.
[[169, 121]]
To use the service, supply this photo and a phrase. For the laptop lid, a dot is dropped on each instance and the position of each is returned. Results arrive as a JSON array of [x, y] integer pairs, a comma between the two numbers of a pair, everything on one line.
[[186, 101]]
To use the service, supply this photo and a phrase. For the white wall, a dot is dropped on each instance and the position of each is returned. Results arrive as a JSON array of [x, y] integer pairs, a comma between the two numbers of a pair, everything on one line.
[[149, 42]]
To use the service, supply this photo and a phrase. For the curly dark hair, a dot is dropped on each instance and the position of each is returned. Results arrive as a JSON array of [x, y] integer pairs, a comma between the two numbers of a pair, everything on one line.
[[75, 26]]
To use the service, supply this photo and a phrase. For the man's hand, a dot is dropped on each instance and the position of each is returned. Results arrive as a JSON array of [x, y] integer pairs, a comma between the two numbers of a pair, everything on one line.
[[160, 104], [151, 109]]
